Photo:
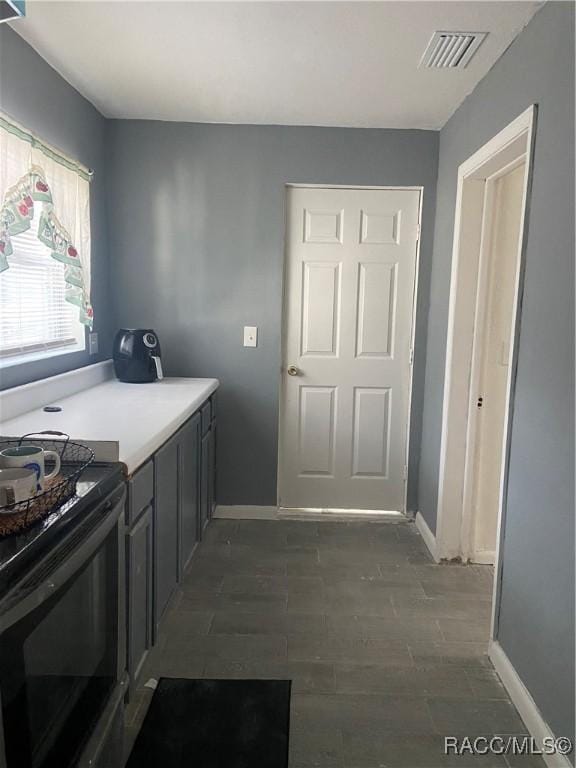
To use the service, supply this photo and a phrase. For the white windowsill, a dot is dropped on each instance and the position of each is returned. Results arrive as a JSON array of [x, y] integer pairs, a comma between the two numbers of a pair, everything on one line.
[[32, 357]]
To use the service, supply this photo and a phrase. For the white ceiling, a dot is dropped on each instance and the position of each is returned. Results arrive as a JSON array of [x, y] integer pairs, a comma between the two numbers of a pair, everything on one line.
[[292, 63]]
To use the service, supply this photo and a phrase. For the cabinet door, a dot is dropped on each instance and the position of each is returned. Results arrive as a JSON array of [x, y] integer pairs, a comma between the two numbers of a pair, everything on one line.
[[139, 565], [212, 471], [188, 481], [165, 525], [205, 480], [207, 476]]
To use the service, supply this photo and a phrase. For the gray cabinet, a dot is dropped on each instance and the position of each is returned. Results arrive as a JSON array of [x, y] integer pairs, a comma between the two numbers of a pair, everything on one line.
[[188, 440], [165, 525], [207, 474], [204, 481], [208, 462], [139, 554], [139, 569], [140, 492], [170, 500], [212, 471]]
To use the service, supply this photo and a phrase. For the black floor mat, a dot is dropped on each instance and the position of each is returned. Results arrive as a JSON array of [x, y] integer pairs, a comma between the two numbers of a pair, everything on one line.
[[215, 724]]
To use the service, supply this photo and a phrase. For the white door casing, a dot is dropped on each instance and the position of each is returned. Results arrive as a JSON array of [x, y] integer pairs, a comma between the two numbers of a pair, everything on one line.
[[351, 262], [491, 353], [513, 145]]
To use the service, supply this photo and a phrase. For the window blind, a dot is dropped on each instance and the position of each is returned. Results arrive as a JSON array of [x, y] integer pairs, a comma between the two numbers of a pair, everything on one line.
[[38, 297], [34, 314]]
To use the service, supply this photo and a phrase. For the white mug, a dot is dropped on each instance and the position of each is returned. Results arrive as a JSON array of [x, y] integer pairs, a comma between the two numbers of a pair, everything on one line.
[[16, 485], [30, 457]]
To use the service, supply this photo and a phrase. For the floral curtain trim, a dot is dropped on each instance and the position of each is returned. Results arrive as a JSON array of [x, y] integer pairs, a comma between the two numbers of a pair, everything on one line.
[[46, 149], [16, 215]]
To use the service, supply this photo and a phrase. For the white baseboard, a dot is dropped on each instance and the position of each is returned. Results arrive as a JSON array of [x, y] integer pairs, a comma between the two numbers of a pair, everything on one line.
[[537, 727], [315, 514], [251, 512], [245, 512], [483, 557], [427, 535]]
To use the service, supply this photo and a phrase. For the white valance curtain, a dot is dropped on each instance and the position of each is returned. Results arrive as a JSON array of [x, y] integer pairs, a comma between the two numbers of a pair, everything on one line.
[[34, 174]]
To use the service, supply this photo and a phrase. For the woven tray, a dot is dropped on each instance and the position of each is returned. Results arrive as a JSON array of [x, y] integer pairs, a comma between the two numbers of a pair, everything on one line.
[[18, 521]]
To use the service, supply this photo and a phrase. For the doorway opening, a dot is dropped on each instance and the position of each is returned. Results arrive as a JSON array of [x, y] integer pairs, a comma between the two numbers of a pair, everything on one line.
[[483, 328]]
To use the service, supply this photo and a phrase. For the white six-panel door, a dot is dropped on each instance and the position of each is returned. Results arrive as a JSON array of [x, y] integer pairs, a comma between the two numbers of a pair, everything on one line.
[[346, 374]]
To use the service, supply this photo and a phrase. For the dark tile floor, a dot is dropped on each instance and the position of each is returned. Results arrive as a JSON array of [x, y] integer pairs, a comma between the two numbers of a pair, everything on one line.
[[386, 650]]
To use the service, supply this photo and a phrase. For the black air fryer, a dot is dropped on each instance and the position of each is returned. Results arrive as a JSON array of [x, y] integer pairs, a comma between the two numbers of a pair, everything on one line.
[[137, 356]]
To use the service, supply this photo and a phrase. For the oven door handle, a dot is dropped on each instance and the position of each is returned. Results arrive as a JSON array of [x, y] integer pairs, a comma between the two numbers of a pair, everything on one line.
[[52, 573]]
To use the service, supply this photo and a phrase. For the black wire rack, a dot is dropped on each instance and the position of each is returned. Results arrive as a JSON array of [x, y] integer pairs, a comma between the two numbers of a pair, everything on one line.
[[74, 459]]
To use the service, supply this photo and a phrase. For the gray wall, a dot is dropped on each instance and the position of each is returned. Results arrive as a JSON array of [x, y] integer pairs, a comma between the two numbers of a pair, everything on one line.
[[197, 245], [35, 95], [536, 623]]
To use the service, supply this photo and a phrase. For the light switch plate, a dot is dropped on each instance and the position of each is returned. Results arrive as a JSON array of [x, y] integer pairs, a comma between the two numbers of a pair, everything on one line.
[[250, 336], [93, 343]]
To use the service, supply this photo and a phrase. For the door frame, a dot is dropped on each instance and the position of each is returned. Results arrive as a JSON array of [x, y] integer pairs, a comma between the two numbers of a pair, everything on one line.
[[513, 145], [478, 350], [283, 333]]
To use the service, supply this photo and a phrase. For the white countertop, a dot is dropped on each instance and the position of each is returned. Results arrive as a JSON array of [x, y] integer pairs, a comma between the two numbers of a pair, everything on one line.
[[120, 422]]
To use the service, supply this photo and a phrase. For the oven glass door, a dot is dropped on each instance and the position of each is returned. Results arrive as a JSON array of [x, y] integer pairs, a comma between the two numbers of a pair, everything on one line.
[[59, 665]]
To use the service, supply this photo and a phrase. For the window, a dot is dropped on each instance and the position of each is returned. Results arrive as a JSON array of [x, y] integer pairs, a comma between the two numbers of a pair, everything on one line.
[[45, 303], [34, 314]]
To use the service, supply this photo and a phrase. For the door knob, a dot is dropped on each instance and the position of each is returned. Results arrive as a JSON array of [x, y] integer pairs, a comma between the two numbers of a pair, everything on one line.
[[292, 370]]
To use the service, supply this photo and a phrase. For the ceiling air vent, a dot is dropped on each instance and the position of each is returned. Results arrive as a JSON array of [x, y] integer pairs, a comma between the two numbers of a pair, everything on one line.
[[451, 50]]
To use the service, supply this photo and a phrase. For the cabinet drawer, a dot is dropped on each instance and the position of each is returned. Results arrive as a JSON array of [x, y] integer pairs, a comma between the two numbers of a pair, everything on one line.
[[140, 492], [206, 413]]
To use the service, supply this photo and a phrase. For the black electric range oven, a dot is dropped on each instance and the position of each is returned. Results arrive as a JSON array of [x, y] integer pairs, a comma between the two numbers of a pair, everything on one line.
[[62, 636]]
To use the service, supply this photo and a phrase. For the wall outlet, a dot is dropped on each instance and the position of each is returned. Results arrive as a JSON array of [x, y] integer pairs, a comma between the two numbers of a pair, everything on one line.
[[250, 336], [93, 343]]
